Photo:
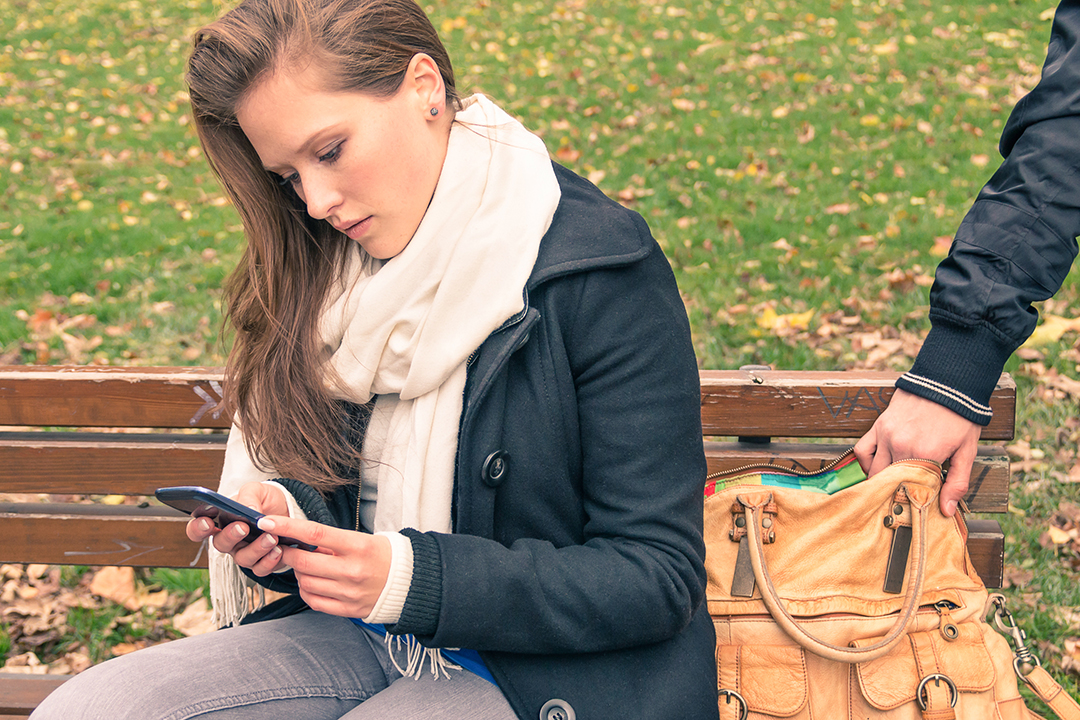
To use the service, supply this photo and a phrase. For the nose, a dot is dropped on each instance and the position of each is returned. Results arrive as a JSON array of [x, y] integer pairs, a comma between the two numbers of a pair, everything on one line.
[[321, 197]]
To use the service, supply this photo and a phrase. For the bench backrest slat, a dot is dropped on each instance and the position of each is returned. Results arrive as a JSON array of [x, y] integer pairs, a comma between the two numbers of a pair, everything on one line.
[[769, 403], [64, 534], [834, 404], [111, 397], [107, 464]]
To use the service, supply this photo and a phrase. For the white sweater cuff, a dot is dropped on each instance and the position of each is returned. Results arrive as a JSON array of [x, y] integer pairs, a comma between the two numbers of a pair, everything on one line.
[[391, 601]]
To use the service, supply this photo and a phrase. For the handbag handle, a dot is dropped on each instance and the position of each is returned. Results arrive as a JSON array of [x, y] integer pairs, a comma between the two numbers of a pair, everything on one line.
[[817, 645]]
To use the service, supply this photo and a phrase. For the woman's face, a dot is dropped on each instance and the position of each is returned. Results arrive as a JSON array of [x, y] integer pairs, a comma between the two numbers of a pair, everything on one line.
[[366, 165]]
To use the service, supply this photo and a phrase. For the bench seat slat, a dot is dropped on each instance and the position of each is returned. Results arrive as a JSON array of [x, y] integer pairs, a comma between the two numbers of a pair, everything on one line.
[[21, 693]]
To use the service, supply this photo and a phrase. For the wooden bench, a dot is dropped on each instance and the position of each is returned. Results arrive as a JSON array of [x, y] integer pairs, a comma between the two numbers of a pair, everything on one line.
[[127, 431]]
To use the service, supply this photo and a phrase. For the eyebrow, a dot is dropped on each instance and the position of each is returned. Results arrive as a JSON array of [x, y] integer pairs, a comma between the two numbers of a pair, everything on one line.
[[303, 148]]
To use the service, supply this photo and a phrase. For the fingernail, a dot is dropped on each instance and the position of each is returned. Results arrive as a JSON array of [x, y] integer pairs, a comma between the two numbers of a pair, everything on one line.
[[266, 524], [206, 525], [950, 507], [268, 541], [241, 530]]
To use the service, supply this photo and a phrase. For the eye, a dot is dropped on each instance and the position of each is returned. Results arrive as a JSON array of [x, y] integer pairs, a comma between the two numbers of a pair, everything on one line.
[[331, 155], [287, 180]]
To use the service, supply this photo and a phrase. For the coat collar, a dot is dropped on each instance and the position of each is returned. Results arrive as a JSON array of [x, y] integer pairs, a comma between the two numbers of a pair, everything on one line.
[[589, 231]]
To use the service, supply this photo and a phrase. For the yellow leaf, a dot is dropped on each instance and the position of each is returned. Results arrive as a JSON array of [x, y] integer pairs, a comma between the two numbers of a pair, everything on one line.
[[869, 121], [889, 47], [769, 320], [1051, 329], [113, 499], [1058, 536]]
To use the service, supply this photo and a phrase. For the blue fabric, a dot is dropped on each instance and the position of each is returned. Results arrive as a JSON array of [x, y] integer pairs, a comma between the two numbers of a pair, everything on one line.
[[466, 658]]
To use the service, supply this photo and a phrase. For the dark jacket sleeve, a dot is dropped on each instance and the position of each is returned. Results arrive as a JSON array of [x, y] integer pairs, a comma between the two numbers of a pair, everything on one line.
[[1016, 244], [637, 574]]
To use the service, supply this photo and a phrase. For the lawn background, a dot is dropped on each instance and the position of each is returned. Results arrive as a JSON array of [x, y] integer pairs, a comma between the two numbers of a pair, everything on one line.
[[803, 165]]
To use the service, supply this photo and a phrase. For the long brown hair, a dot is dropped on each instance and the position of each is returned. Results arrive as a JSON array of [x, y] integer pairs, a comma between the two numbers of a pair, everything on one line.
[[275, 381]]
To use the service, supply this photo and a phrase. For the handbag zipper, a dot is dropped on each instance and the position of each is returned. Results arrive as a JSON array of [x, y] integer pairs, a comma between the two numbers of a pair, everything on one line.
[[838, 460]]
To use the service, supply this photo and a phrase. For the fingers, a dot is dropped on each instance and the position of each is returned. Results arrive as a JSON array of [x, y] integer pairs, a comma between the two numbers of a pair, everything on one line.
[[199, 528], [958, 477], [322, 536], [865, 448]]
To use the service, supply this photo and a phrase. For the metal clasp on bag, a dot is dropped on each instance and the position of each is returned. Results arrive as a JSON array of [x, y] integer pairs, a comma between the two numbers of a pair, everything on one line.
[[899, 521], [744, 709], [937, 678], [742, 581], [1025, 661]]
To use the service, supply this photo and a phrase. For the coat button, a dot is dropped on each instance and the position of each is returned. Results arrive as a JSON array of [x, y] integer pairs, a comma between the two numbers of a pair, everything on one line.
[[557, 710], [495, 468]]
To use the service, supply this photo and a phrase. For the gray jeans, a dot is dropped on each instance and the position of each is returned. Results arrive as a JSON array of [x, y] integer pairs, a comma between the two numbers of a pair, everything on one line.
[[302, 667]]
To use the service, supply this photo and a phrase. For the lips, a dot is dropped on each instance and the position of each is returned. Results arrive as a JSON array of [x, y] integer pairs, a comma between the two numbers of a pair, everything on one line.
[[355, 229]]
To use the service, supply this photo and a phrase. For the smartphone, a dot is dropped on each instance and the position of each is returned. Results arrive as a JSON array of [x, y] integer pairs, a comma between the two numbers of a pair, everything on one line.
[[201, 502]]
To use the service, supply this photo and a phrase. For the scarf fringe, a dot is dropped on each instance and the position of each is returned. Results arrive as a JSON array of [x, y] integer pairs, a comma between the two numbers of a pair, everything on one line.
[[416, 655], [232, 594]]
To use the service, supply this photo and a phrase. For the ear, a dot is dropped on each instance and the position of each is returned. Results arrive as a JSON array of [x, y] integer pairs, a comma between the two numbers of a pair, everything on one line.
[[425, 80]]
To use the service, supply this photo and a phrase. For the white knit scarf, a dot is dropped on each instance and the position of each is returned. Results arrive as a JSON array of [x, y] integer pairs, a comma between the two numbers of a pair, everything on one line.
[[404, 331]]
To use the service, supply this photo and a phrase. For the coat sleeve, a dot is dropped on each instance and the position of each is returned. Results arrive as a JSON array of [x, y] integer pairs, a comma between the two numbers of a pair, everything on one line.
[[1016, 244], [636, 575]]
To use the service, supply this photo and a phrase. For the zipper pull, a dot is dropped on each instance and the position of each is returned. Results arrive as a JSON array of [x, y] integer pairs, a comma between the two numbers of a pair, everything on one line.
[[899, 520], [946, 626]]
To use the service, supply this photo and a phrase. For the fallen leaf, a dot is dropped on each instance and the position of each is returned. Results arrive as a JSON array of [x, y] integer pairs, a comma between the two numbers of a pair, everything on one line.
[[839, 209], [196, 618], [116, 584], [1051, 329]]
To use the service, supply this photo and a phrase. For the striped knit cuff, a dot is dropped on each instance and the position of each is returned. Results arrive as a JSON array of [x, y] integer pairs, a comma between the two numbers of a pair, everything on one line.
[[956, 401], [388, 607]]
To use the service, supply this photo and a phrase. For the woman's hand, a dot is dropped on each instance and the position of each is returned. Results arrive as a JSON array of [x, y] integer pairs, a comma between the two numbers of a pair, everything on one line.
[[347, 572], [914, 427], [263, 556]]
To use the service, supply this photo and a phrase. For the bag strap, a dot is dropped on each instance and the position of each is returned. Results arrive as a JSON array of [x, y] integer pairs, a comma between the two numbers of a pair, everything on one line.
[[1051, 693], [1027, 665], [817, 645]]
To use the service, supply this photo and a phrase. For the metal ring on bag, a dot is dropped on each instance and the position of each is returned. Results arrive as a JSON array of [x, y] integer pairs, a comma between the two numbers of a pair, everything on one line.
[[744, 709], [937, 678]]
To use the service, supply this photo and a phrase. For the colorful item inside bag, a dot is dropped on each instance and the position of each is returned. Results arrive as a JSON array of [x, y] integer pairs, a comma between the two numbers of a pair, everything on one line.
[[844, 473]]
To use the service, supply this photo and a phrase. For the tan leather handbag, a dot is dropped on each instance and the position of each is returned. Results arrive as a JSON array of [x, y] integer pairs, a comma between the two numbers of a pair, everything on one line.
[[858, 604]]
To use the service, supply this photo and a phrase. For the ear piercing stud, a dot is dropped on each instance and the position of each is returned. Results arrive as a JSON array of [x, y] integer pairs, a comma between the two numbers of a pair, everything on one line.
[[434, 111]]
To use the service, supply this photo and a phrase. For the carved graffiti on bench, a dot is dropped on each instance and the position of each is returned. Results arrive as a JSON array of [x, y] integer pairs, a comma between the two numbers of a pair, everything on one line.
[[210, 405], [861, 399]]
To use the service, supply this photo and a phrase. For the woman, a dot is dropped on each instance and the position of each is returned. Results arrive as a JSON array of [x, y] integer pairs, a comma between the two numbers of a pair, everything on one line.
[[461, 372]]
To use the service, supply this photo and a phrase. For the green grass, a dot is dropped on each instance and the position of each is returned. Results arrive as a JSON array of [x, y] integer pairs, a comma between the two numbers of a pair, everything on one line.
[[181, 582], [799, 162]]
